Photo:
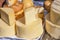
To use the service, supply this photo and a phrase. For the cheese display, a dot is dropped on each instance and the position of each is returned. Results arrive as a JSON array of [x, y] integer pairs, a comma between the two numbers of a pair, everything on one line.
[[11, 2], [6, 30], [7, 14], [27, 3], [52, 29], [29, 26]]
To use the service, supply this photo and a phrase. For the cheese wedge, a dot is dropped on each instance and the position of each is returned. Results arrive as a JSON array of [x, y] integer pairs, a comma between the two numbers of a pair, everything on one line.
[[7, 14], [31, 14], [30, 31], [27, 3], [6, 30]]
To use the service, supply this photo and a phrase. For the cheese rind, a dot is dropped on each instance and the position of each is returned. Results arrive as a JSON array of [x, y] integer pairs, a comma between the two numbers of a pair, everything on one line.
[[6, 30], [7, 14], [30, 31]]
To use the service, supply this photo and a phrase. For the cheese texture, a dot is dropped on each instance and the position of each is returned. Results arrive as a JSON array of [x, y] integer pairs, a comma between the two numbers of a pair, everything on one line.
[[30, 31], [6, 30], [31, 14], [52, 29], [8, 16]]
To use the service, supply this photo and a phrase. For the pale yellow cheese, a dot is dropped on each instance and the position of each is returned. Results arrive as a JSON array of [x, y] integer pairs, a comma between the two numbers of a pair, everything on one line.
[[6, 30], [7, 14], [30, 31], [31, 14]]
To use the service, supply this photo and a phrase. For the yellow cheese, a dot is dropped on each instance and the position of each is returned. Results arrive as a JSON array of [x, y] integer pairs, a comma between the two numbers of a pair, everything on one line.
[[7, 14], [31, 14], [6, 30], [30, 31]]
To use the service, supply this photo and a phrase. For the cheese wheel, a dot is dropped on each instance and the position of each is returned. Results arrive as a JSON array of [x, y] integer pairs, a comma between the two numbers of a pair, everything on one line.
[[52, 29], [7, 14], [6, 30], [55, 12], [54, 17], [30, 31]]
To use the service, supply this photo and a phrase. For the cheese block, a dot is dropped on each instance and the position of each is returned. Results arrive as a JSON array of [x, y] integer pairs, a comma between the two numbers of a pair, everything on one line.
[[31, 14], [29, 31], [27, 3], [52, 29], [7, 14], [6, 30]]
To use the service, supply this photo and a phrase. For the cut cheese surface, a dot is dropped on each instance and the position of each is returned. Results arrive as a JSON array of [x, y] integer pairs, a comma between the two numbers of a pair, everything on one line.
[[8, 16], [31, 14], [32, 30], [6, 30]]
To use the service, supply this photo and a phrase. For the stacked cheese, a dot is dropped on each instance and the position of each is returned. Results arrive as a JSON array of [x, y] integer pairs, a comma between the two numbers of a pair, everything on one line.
[[53, 20], [7, 22], [29, 26]]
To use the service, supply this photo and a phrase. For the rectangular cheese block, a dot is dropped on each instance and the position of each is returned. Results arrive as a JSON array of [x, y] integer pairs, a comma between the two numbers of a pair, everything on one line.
[[7, 14], [31, 15], [6, 30]]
